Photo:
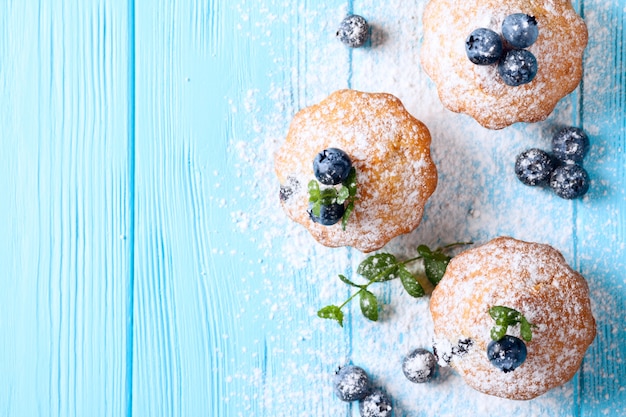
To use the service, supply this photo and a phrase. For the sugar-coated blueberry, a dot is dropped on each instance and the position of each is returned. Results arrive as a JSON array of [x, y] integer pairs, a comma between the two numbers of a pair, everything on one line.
[[570, 145], [419, 366], [376, 404], [520, 30], [329, 214], [484, 47], [534, 167], [351, 383], [569, 181], [332, 166], [353, 31], [507, 353], [519, 66]]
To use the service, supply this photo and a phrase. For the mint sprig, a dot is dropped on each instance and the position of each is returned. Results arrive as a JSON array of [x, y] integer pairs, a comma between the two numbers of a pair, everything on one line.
[[505, 317], [384, 267], [344, 194]]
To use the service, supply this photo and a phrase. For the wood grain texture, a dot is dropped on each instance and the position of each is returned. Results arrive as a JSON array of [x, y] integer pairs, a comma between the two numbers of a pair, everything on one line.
[[146, 267], [65, 208]]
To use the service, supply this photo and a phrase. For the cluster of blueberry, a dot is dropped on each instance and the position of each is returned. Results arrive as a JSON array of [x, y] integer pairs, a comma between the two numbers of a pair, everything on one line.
[[562, 170], [516, 65], [351, 383], [327, 206]]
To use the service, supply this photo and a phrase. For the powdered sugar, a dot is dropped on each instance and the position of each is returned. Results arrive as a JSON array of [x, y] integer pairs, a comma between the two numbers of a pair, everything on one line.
[[477, 198]]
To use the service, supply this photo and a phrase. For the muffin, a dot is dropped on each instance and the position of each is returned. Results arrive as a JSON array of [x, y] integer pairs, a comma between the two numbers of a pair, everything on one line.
[[556, 36], [383, 150], [551, 324]]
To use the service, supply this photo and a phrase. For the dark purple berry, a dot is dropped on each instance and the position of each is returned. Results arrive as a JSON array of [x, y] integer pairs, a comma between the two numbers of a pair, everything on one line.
[[484, 47], [569, 181], [534, 167], [507, 353], [353, 31], [570, 145], [520, 30], [332, 166], [376, 404], [351, 383], [419, 366], [519, 66], [329, 214]]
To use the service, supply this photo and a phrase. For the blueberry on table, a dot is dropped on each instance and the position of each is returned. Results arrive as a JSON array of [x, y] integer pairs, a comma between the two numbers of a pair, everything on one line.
[[484, 47], [419, 366], [332, 166], [519, 66], [520, 30], [351, 383], [507, 353], [569, 181], [329, 214], [376, 404], [534, 167], [570, 145], [353, 31]]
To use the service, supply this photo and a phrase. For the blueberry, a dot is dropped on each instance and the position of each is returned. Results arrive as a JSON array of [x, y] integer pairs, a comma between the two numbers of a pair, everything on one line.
[[534, 167], [519, 66], [570, 145], [520, 30], [507, 353], [329, 214], [419, 366], [351, 383], [484, 47], [376, 404], [353, 31], [569, 181], [332, 166]]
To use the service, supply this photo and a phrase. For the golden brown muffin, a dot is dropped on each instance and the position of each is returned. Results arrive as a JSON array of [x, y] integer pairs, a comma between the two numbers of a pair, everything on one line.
[[390, 150], [477, 90], [531, 278]]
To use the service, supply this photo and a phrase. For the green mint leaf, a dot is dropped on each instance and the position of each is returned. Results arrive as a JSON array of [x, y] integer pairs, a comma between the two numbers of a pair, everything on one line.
[[525, 330], [314, 191], [369, 305], [350, 182], [316, 208], [380, 267], [410, 283], [435, 269], [342, 194], [331, 312], [346, 215], [498, 332], [424, 251], [347, 281], [328, 196]]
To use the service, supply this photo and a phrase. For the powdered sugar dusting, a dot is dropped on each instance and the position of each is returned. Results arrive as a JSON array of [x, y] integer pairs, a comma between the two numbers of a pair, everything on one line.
[[477, 198]]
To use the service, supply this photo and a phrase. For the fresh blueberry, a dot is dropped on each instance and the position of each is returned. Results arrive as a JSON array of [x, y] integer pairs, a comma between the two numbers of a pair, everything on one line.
[[332, 166], [534, 167], [507, 353], [484, 47], [353, 31], [376, 404], [329, 214], [419, 366], [569, 181], [570, 145], [520, 30], [519, 66], [351, 383]]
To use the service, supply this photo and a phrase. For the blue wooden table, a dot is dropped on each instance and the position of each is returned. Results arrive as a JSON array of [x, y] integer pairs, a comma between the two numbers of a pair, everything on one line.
[[146, 268]]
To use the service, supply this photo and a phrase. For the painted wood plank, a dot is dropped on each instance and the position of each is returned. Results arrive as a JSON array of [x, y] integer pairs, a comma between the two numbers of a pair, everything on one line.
[[215, 328], [600, 229], [65, 210]]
